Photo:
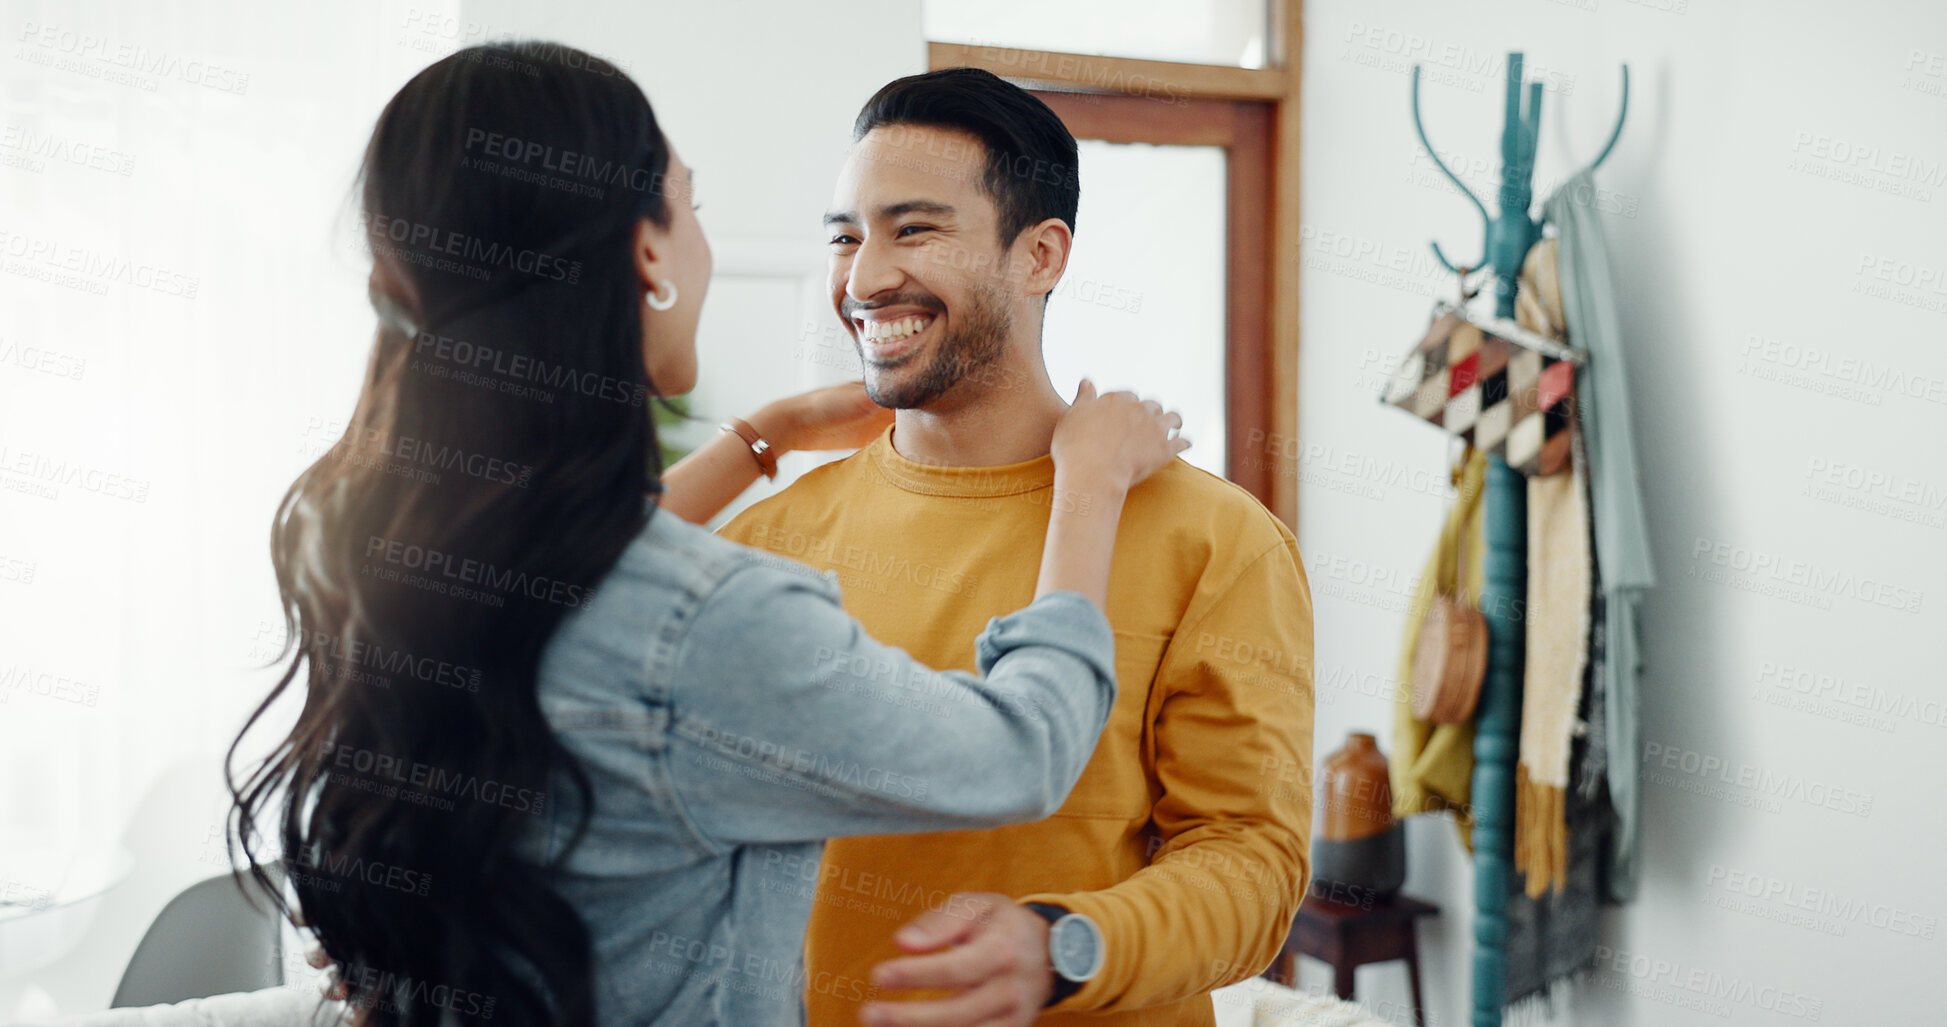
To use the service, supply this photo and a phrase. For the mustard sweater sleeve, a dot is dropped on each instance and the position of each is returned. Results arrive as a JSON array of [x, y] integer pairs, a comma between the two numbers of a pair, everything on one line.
[[1232, 749]]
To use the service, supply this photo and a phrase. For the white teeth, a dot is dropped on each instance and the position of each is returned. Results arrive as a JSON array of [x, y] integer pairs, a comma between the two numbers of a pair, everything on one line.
[[894, 331]]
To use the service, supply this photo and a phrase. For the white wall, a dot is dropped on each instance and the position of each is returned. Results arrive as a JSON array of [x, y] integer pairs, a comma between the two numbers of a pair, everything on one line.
[[214, 325], [150, 609], [1783, 170]]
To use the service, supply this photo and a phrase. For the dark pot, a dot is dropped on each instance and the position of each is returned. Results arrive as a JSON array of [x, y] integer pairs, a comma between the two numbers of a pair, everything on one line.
[[1374, 866]]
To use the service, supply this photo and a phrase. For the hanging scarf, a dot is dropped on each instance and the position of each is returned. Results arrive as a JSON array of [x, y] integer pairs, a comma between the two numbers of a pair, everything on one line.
[[1615, 488], [1561, 820], [1559, 585]]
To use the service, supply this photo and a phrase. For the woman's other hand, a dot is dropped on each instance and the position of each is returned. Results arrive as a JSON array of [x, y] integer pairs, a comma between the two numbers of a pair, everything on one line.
[[1119, 436]]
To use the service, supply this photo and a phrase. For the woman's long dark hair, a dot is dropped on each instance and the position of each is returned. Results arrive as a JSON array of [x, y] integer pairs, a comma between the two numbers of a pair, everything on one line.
[[493, 470]]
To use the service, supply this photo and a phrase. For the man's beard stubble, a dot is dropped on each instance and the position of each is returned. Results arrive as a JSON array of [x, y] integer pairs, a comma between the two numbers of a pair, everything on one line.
[[971, 350]]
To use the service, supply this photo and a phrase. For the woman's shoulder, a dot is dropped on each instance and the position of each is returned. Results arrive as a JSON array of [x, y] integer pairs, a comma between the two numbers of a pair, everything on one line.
[[674, 579], [674, 552], [692, 592]]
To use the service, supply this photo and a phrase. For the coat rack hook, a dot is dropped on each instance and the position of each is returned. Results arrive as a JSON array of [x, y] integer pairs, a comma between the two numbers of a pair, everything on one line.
[[1620, 115], [1459, 269], [1451, 177]]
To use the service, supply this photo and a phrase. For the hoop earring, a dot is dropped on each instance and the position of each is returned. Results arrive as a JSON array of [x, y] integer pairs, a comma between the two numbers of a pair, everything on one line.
[[656, 302]]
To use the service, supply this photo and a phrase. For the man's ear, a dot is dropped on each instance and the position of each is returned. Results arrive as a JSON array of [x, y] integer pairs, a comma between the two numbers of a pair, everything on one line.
[[1047, 246]]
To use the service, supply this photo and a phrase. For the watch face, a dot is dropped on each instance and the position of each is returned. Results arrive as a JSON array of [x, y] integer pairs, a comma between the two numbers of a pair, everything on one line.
[[1075, 947]]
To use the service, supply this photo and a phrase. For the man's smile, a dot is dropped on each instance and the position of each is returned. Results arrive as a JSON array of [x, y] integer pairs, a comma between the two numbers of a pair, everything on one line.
[[887, 335]]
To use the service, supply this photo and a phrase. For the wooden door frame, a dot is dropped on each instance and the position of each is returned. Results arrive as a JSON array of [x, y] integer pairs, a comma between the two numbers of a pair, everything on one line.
[[1265, 373], [1242, 129]]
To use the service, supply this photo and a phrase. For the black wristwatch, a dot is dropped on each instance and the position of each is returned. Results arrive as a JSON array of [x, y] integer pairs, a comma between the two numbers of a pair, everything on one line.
[[1075, 949]]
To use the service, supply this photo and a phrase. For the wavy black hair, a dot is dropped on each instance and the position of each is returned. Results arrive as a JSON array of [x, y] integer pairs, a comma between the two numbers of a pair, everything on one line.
[[494, 468]]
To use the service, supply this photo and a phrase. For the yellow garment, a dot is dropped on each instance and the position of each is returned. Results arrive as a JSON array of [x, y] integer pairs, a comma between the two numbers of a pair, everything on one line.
[[1433, 764], [1187, 837]]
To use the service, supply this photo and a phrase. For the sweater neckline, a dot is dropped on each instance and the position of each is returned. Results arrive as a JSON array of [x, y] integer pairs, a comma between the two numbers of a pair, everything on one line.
[[967, 482]]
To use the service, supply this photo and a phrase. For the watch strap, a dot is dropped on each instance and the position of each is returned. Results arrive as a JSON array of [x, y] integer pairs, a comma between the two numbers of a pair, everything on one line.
[[1064, 987]]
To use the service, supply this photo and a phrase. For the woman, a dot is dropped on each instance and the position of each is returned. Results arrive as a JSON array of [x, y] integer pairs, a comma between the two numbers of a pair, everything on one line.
[[565, 758]]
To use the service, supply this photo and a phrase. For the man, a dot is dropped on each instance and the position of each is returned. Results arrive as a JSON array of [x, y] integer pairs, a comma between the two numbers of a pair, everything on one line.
[[1177, 863]]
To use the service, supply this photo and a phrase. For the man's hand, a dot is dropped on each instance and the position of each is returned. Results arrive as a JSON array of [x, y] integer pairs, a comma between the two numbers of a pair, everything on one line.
[[992, 953], [330, 985]]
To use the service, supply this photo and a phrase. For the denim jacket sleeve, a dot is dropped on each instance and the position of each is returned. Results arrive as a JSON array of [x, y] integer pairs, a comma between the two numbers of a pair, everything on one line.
[[790, 723]]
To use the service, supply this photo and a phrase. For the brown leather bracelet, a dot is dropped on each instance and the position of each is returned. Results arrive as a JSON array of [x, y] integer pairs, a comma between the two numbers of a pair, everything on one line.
[[759, 447]]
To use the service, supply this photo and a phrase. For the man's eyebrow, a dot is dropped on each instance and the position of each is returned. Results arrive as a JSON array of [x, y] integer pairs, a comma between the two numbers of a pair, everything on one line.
[[893, 210], [916, 207]]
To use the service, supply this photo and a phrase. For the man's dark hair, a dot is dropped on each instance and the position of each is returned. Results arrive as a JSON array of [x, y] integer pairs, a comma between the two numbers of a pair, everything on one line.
[[1031, 157]]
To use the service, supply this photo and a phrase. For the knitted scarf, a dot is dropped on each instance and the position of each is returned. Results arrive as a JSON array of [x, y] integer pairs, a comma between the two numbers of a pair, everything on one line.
[[1559, 585]]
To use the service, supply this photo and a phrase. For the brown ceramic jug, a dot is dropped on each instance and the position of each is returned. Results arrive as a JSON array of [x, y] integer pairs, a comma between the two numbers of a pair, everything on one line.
[[1356, 843], [1355, 791]]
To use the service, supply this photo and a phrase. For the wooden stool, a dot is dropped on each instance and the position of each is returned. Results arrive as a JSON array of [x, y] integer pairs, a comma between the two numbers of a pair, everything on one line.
[[1346, 936]]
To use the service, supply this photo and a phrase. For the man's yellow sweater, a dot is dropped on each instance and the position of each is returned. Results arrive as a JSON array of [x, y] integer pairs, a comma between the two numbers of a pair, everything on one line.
[[1187, 837]]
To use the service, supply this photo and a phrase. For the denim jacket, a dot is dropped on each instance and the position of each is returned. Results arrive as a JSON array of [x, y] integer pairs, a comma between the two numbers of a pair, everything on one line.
[[731, 716]]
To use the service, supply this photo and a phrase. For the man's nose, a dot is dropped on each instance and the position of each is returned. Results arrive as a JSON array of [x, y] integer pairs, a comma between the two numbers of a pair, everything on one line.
[[874, 271]]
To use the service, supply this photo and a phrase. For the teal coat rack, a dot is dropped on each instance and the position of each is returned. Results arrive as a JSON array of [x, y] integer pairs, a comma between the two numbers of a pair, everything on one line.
[[1504, 571]]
